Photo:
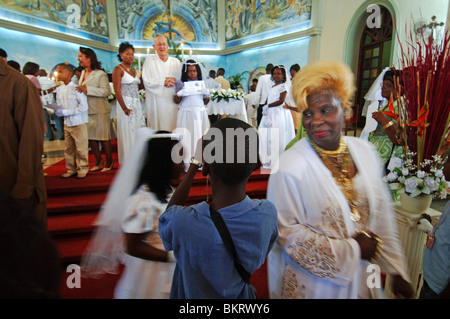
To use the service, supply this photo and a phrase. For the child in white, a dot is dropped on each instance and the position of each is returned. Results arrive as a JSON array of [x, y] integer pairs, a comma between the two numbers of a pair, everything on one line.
[[276, 129], [251, 110], [192, 118], [74, 108]]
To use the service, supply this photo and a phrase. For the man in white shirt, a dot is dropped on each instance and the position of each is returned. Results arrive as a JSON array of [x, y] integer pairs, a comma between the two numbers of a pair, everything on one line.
[[159, 75], [262, 89]]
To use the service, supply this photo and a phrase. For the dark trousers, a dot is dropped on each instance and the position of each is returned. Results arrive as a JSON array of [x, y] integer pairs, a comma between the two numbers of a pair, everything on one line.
[[259, 114], [213, 118], [427, 292], [59, 123]]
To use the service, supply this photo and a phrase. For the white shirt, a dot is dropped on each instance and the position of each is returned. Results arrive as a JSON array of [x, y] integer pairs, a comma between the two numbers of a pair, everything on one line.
[[46, 84], [74, 104], [262, 89]]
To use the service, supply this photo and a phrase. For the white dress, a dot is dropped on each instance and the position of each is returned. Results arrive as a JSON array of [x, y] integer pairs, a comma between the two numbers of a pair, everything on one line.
[[143, 279], [128, 125], [192, 122], [276, 129], [315, 255]]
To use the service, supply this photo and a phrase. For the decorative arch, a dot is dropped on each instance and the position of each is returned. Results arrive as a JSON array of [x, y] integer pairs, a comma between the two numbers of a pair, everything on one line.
[[354, 52]]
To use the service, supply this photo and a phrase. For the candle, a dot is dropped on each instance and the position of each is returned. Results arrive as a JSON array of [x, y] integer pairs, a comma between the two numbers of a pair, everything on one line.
[[139, 61], [182, 51], [190, 53], [148, 51]]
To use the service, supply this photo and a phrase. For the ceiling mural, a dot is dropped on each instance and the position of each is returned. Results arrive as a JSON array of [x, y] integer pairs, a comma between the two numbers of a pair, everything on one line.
[[253, 20], [83, 18], [193, 22]]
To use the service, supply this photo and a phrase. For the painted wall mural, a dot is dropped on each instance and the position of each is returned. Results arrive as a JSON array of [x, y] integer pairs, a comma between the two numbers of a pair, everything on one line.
[[253, 20], [190, 21], [84, 18]]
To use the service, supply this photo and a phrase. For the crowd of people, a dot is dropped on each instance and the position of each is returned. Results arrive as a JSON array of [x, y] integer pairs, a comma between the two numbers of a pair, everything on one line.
[[327, 216]]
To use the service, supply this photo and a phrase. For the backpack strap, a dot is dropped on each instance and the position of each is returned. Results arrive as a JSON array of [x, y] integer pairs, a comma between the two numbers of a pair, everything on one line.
[[228, 241]]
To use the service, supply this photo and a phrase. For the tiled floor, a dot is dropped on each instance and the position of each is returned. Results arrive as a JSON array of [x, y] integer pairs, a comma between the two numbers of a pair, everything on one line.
[[54, 152]]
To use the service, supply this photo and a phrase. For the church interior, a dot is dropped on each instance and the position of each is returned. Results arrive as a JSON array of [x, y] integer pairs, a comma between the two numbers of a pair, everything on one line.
[[241, 36]]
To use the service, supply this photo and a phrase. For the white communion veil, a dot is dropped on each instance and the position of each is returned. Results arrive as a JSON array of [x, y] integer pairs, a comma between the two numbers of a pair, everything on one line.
[[184, 65], [373, 98], [106, 247]]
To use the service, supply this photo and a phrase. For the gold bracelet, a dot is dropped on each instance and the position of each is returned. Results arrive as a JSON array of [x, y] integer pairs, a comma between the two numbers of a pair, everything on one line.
[[389, 124]]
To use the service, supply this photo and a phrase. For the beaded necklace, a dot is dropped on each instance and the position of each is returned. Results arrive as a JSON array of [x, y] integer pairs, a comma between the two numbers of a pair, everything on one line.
[[341, 166]]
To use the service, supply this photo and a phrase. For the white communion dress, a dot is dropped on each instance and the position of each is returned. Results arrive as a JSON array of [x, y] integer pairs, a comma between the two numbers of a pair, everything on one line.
[[144, 279], [128, 125], [192, 122], [276, 129]]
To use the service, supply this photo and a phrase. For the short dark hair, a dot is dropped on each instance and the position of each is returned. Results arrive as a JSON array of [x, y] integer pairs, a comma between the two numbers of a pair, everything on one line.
[[295, 67], [389, 76], [240, 167], [67, 67], [30, 68], [269, 67], [3, 53], [14, 64], [123, 47]]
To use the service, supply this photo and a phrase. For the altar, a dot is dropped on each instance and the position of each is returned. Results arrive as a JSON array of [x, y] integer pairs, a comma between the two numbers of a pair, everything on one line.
[[234, 108]]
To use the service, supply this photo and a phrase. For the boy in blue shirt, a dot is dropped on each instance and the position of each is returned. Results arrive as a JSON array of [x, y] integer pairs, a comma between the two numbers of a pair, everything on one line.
[[205, 269]]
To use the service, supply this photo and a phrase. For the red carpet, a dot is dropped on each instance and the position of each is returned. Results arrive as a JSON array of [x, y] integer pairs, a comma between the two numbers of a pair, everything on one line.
[[73, 205]]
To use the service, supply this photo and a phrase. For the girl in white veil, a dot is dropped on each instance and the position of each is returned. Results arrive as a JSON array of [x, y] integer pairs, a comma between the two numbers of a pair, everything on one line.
[[127, 227], [192, 95], [373, 98]]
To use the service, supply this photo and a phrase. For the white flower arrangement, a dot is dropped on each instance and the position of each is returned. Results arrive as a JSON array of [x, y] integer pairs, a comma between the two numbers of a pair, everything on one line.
[[222, 94], [112, 96], [429, 179], [142, 94]]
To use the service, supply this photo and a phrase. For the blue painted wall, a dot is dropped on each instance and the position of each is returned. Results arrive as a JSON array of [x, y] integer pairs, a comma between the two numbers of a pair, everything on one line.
[[23, 47]]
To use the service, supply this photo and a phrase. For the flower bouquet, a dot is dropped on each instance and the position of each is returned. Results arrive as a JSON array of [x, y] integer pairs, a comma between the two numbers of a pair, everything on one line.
[[142, 94], [222, 94], [428, 180], [112, 96], [423, 117]]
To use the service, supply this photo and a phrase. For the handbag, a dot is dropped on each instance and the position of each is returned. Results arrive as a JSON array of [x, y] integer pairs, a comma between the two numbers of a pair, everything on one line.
[[228, 241]]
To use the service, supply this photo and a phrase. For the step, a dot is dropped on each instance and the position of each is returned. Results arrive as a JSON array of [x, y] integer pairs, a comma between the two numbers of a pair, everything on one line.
[[68, 225], [71, 249], [72, 203]]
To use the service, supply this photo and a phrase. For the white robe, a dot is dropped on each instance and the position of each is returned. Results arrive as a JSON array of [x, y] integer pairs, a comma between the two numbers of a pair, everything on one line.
[[316, 256], [161, 109]]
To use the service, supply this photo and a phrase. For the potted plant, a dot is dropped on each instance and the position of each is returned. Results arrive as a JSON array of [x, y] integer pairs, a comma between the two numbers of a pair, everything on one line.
[[423, 120]]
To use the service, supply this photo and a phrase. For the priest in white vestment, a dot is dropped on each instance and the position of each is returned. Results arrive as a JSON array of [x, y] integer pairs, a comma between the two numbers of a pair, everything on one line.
[[337, 230], [159, 75]]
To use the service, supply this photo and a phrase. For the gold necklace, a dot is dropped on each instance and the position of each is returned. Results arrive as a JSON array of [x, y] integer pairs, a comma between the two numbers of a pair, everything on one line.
[[341, 166]]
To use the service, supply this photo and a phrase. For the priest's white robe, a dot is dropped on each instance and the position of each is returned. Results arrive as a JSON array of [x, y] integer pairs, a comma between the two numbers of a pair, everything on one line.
[[160, 108], [315, 255]]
